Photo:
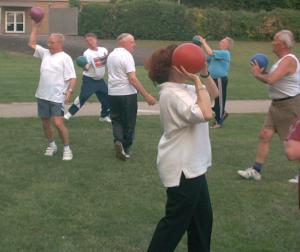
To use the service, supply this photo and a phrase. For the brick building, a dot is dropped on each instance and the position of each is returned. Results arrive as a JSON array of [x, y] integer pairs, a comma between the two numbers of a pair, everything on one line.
[[59, 17]]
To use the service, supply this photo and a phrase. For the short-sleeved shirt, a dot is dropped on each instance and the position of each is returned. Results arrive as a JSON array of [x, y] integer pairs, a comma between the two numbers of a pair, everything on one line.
[[55, 72], [185, 145], [294, 132], [219, 63], [120, 62], [97, 59]]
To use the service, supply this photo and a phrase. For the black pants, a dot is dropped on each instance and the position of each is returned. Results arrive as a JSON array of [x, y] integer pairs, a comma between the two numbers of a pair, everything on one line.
[[123, 116], [90, 86], [220, 101], [188, 209]]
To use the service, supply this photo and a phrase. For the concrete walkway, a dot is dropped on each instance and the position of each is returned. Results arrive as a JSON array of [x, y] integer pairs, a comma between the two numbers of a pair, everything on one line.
[[28, 109]]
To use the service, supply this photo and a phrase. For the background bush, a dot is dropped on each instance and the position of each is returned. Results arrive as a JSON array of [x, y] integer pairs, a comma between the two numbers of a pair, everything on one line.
[[151, 19], [145, 19]]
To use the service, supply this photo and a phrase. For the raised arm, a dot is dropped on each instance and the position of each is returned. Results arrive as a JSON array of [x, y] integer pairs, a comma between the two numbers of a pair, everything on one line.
[[205, 46], [286, 67], [203, 98], [134, 81], [33, 35], [208, 81]]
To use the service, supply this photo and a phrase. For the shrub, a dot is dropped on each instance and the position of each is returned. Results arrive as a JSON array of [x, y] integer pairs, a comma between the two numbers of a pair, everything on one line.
[[152, 19], [144, 19]]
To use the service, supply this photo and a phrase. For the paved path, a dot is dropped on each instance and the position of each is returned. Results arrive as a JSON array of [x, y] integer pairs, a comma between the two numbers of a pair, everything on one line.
[[11, 110]]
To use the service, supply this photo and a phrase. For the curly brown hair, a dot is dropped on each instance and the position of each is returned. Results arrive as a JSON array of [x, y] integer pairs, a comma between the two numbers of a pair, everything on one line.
[[159, 64]]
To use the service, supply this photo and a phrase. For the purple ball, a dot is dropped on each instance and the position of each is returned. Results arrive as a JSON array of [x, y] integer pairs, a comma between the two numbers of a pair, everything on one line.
[[37, 14]]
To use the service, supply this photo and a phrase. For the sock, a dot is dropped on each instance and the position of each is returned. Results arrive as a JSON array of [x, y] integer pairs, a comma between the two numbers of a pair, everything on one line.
[[258, 167], [52, 144], [66, 147]]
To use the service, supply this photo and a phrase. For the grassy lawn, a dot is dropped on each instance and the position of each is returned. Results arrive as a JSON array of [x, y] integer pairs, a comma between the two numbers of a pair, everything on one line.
[[96, 203], [19, 75]]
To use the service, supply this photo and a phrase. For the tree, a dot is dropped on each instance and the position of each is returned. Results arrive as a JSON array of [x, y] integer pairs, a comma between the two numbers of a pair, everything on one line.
[[74, 3]]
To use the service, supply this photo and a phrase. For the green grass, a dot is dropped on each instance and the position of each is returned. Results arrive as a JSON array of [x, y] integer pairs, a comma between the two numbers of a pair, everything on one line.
[[97, 203], [19, 75]]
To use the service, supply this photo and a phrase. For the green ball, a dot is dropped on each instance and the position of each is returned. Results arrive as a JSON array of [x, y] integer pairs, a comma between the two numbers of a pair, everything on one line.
[[196, 41], [81, 61]]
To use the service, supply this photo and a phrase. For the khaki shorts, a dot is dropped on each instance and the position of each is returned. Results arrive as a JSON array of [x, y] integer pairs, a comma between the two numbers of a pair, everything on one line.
[[281, 115]]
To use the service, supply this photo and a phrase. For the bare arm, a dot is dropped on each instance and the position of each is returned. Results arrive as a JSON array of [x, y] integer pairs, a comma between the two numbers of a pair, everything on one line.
[[71, 88], [286, 67], [212, 89], [33, 35], [134, 81], [292, 149], [203, 98], [205, 46]]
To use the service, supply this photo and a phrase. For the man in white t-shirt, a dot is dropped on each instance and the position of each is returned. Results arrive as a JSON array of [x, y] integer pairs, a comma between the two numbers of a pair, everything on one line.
[[56, 85], [92, 80], [123, 86]]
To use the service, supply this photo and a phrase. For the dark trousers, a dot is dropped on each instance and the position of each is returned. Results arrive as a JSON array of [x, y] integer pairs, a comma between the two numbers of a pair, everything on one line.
[[90, 86], [220, 101], [188, 209], [123, 116]]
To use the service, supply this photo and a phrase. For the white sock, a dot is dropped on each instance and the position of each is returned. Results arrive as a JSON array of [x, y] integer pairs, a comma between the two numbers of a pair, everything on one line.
[[67, 148], [52, 144]]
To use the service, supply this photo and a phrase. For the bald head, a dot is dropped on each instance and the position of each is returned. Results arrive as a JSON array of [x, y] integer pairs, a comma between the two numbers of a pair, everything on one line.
[[127, 41], [56, 42]]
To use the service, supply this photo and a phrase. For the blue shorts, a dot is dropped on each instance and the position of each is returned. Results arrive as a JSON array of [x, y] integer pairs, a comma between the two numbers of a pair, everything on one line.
[[48, 109]]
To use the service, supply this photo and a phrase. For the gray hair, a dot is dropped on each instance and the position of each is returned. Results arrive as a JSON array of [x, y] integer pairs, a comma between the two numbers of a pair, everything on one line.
[[60, 36], [122, 36], [230, 42], [286, 37]]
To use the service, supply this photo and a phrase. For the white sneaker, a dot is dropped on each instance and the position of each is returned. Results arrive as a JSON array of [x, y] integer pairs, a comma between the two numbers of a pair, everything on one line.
[[67, 116], [50, 151], [105, 119], [250, 173], [294, 180], [68, 155], [120, 153]]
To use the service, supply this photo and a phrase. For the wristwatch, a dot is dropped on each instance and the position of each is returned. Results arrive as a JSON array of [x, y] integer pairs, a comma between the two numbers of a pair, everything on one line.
[[205, 76]]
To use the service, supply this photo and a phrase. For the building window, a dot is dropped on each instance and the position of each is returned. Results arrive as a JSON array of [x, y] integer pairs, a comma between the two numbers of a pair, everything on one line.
[[15, 21]]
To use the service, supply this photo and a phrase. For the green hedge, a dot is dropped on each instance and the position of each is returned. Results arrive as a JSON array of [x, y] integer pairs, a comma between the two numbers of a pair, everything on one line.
[[145, 19], [151, 19]]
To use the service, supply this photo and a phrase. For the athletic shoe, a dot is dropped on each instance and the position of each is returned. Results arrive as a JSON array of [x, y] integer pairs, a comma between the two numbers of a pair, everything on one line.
[[105, 119], [50, 151], [294, 180], [120, 153], [127, 155], [67, 116], [68, 155], [250, 173]]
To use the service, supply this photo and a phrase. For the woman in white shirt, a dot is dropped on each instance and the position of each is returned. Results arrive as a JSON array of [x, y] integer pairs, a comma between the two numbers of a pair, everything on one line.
[[184, 153]]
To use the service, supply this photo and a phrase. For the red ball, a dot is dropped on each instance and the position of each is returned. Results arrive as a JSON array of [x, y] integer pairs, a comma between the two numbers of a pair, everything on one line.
[[36, 14], [190, 56]]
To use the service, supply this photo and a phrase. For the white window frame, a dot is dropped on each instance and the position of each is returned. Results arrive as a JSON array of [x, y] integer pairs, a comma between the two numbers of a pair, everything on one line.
[[15, 21]]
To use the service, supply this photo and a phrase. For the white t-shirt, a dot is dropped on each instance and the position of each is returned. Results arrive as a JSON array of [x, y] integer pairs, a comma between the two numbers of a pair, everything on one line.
[[185, 145], [97, 60], [119, 63], [55, 72]]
